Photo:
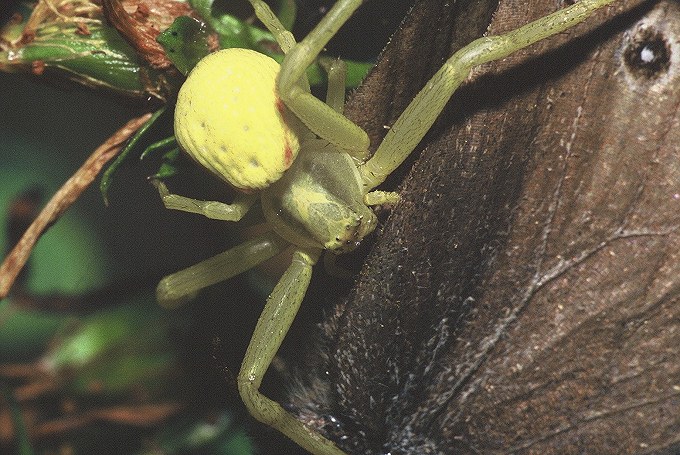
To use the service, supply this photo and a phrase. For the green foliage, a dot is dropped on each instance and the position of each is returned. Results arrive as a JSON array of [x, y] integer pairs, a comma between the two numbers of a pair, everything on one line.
[[23, 443], [185, 42], [221, 437], [96, 56], [234, 32], [131, 147]]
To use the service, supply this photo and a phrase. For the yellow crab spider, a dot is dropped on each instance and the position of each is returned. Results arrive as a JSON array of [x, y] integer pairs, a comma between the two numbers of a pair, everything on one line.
[[256, 126]]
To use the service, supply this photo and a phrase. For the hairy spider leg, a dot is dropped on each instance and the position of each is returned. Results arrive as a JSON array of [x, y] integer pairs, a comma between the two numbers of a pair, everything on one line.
[[176, 288], [210, 209], [283, 37], [336, 70], [276, 318], [421, 113], [320, 118]]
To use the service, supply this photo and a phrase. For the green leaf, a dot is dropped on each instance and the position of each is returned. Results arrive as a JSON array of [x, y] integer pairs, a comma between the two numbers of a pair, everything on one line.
[[168, 166], [232, 31], [107, 177], [98, 58], [185, 42], [25, 333], [287, 13]]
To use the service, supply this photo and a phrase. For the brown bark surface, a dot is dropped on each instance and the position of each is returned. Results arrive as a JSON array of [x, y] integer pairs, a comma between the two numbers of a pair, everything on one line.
[[524, 295]]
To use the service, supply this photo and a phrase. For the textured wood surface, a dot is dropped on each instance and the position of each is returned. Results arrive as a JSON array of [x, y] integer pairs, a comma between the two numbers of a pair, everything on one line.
[[524, 296]]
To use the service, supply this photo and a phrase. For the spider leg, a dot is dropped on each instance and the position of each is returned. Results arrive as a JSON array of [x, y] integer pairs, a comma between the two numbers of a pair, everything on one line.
[[274, 322], [320, 118], [283, 37], [381, 197], [421, 113], [337, 73], [211, 209], [174, 289]]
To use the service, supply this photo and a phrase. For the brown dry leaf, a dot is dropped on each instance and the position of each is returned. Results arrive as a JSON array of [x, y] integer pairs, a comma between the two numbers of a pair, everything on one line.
[[524, 296]]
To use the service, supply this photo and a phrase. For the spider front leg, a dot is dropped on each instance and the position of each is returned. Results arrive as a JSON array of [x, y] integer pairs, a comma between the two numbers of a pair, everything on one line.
[[210, 209], [176, 288], [276, 318], [322, 119], [283, 37], [336, 70], [421, 113]]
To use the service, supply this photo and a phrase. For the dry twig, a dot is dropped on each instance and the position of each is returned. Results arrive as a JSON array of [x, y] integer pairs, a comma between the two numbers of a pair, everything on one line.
[[63, 199]]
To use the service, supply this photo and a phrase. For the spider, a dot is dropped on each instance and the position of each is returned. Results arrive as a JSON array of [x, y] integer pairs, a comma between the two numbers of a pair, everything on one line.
[[256, 125]]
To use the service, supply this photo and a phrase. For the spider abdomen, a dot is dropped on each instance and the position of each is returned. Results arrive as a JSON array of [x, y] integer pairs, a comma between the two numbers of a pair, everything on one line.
[[230, 119]]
